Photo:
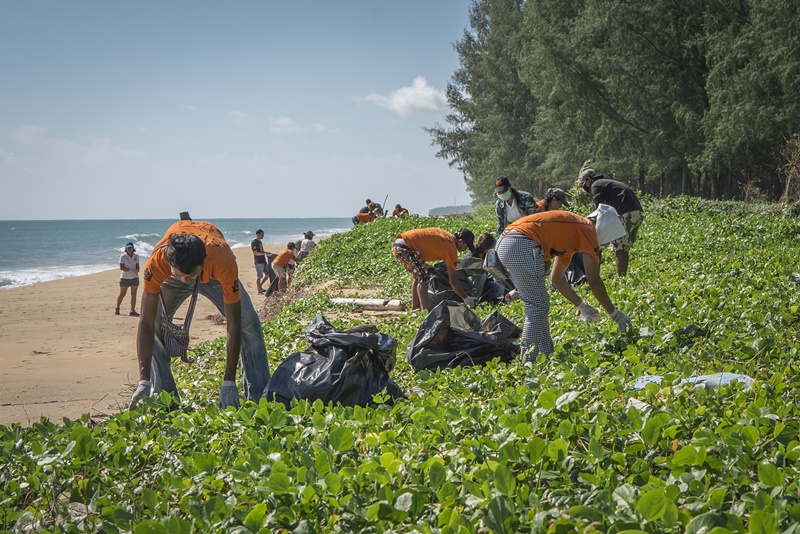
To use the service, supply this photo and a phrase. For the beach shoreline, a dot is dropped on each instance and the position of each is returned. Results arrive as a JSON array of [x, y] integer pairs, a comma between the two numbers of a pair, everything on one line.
[[64, 353]]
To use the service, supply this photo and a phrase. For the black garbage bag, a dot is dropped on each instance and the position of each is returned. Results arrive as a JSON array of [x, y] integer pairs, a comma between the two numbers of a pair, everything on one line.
[[452, 335], [348, 367], [474, 281], [575, 275]]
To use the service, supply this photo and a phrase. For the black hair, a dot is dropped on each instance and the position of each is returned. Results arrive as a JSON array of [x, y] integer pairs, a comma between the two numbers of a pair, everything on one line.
[[186, 252], [308, 235], [290, 245], [259, 231], [399, 207], [484, 243], [466, 235], [368, 202]]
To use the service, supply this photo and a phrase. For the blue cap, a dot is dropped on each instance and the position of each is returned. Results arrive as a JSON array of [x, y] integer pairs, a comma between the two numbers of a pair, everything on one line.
[[129, 244]]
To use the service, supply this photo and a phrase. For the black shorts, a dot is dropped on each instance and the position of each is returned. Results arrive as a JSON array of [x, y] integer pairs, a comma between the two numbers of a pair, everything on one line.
[[129, 282]]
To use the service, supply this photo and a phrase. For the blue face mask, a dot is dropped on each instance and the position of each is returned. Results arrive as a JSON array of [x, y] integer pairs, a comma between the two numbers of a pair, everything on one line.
[[504, 196]]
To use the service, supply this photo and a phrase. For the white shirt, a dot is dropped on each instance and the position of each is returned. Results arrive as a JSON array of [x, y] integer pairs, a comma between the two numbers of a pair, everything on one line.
[[307, 245], [512, 212], [129, 262]]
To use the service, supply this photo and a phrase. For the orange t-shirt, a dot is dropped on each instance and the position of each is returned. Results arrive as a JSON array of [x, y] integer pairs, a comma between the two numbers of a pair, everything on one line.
[[433, 244], [220, 262], [559, 233], [283, 259], [365, 217], [399, 212]]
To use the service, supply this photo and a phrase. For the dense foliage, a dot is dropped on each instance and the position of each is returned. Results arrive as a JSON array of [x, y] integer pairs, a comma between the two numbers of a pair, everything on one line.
[[557, 445], [692, 97]]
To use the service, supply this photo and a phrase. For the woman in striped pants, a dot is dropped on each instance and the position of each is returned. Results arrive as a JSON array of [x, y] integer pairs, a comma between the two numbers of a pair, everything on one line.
[[525, 246]]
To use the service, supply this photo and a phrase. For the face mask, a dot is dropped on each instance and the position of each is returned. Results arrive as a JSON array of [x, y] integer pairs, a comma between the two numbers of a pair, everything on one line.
[[504, 196]]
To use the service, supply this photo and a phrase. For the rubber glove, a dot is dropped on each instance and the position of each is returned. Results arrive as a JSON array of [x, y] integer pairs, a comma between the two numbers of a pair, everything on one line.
[[587, 312], [471, 302], [228, 395], [623, 321], [511, 296], [142, 392]]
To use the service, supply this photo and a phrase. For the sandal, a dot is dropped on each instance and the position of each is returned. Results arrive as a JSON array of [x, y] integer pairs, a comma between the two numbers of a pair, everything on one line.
[[116, 311]]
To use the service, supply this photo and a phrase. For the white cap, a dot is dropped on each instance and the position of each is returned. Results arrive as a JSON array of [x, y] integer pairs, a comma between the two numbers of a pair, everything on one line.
[[607, 224]]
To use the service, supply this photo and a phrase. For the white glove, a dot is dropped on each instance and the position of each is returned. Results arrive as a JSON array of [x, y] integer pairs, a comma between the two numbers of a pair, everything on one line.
[[511, 296], [228, 395], [471, 302], [587, 312], [142, 392], [623, 321]]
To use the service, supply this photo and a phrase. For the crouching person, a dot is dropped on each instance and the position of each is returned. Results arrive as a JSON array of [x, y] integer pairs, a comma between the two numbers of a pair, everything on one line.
[[193, 257]]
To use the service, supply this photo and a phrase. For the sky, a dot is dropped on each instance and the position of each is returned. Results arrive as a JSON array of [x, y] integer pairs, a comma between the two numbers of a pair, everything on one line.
[[274, 108]]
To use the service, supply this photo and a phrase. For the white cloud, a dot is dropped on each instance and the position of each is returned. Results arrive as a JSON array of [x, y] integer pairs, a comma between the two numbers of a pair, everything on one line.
[[100, 150], [5, 155], [190, 108], [237, 115], [419, 98], [286, 125]]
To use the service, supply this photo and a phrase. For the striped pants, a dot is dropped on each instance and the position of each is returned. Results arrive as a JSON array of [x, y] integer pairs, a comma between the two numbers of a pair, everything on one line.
[[522, 258]]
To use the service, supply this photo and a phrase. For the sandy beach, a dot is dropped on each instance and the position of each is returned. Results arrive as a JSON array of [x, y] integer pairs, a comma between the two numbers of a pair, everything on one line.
[[64, 353]]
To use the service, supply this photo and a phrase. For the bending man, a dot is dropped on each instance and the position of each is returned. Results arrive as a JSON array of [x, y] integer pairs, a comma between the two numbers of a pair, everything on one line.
[[415, 247], [196, 251]]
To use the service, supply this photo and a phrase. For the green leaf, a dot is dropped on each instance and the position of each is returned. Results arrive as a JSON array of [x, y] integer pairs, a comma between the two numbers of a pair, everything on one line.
[[149, 526], [652, 429], [504, 480], [341, 439], [685, 456], [499, 517], [769, 475], [334, 483], [436, 475], [255, 519], [703, 523], [763, 522], [556, 447], [279, 482], [653, 504], [547, 399]]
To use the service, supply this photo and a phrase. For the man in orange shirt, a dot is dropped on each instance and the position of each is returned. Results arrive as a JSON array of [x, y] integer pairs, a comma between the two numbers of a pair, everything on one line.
[[415, 247], [281, 265], [530, 241], [190, 251]]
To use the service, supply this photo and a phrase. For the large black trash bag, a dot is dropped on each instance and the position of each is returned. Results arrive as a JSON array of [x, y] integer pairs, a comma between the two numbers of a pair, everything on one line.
[[453, 335], [474, 281], [346, 367]]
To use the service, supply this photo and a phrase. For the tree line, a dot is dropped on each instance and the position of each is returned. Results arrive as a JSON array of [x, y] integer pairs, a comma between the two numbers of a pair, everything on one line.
[[697, 97]]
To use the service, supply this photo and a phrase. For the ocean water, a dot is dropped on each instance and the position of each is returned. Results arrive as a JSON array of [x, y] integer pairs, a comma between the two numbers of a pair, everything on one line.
[[38, 251]]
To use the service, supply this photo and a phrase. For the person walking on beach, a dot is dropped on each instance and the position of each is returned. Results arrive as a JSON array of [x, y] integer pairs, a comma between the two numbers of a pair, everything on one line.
[[260, 259], [511, 204], [622, 198], [415, 247], [128, 278], [531, 241], [194, 254]]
